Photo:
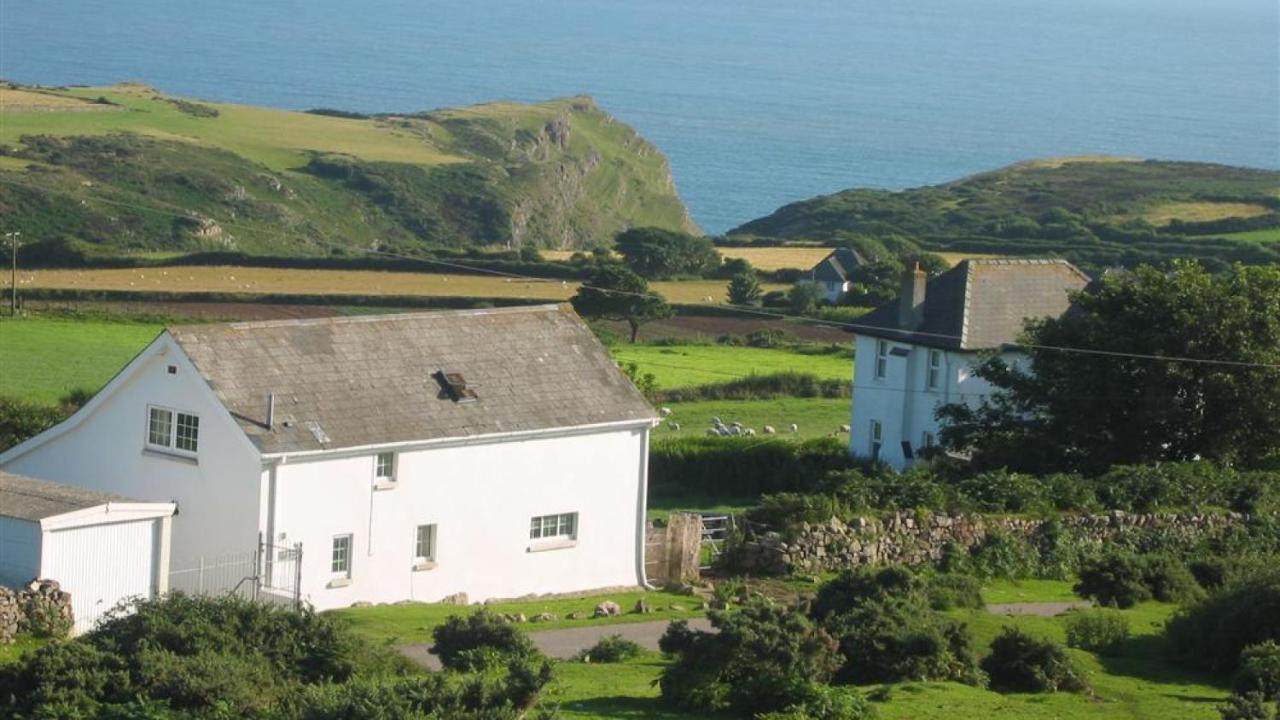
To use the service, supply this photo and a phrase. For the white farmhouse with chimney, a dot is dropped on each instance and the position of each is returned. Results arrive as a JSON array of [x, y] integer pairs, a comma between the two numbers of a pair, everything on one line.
[[491, 452], [916, 354]]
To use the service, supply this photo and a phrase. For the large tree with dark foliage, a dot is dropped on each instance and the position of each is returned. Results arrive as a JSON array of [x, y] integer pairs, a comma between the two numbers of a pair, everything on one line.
[[655, 253], [1213, 390], [616, 293]]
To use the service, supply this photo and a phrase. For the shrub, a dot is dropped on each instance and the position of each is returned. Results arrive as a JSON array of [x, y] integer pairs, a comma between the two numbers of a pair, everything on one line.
[[610, 649], [1101, 631], [1002, 555], [1003, 491], [1249, 706], [826, 703], [20, 420], [947, 591], [1169, 579], [765, 658], [1114, 579], [482, 629], [1021, 663], [854, 588], [1213, 632], [1259, 670]]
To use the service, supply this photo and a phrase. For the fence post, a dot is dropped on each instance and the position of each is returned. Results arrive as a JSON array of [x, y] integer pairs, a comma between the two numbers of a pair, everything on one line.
[[200, 577], [297, 576], [257, 567]]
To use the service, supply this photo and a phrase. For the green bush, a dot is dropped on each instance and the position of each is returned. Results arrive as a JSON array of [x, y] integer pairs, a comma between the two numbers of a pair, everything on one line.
[[1248, 706], [1212, 632], [1002, 555], [1101, 631], [1021, 663], [1122, 579], [947, 591], [20, 420], [610, 649], [742, 467], [826, 703], [1259, 670], [764, 658], [859, 586], [482, 629]]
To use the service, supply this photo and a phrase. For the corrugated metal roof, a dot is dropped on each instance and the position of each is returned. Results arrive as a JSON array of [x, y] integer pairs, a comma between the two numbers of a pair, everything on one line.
[[359, 381], [982, 303], [27, 498]]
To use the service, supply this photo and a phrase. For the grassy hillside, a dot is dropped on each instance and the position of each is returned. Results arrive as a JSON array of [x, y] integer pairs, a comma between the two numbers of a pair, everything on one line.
[[1097, 211], [82, 163]]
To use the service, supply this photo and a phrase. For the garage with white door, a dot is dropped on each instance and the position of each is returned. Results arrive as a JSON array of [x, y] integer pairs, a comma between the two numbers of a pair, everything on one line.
[[100, 548]]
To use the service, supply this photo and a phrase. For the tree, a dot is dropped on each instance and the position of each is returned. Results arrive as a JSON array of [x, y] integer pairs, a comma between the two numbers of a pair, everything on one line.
[[655, 253], [1089, 411], [803, 297], [616, 293], [744, 289]]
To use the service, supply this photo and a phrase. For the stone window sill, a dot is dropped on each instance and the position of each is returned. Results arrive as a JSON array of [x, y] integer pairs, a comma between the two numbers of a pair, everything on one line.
[[338, 582], [548, 545], [168, 455], [384, 485], [424, 566]]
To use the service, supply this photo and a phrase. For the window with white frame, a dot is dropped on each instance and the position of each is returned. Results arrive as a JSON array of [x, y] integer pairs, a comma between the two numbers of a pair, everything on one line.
[[882, 359], [877, 439], [340, 562], [384, 468], [935, 369], [424, 545], [560, 527], [169, 429]]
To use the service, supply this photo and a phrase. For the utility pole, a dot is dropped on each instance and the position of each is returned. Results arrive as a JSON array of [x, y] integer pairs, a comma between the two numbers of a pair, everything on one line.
[[13, 272]]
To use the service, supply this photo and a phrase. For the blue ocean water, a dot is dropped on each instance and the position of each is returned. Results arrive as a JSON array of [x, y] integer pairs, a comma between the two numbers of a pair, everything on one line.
[[756, 102]]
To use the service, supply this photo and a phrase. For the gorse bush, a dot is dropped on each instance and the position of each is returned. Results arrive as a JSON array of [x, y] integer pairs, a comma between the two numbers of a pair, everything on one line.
[[460, 635], [610, 649], [1122, 579], [1101, 631], [825, 703], [1259, 670], [1021, 663], [1248, 706], [948, 591], [764, 658], [1212, 632]]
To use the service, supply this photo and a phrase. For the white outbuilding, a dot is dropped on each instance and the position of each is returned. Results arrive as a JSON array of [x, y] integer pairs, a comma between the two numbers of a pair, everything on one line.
[[100, 548]]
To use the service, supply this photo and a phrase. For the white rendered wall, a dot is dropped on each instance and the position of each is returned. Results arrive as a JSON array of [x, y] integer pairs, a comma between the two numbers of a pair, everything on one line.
[[100, 565], [19, 551], [902, 401], [481, 497], [217, 495]]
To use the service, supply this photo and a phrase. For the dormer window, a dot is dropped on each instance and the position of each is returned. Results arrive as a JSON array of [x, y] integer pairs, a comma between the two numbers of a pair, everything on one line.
[[172, 430]]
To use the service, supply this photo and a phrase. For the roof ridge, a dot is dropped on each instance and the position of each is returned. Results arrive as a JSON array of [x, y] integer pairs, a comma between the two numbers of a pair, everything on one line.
[[1030, 261], [380, 317], [964, 310]]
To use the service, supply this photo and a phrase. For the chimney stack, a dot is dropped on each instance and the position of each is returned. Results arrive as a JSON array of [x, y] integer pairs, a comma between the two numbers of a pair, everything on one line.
[[911, 298]]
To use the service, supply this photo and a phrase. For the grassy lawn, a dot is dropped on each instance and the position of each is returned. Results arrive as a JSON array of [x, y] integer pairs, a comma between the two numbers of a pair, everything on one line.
[[676, 366], [999, 592], [256, 280], [21, 644], [44, 359], [815, 417], [413, 623], [660, 508]]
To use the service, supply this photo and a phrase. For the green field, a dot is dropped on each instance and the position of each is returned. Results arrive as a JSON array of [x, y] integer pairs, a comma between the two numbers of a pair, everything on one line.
[[1268, 235], [815, 417], [43, 359], [675, 366]]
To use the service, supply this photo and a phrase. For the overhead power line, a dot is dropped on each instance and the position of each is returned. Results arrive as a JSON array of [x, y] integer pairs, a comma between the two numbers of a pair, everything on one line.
[[182, 213]]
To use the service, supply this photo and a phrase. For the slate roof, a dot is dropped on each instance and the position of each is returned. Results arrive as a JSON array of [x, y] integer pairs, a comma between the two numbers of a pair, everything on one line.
[[982, 304], [837, 266], [27, 498], [360, 381]]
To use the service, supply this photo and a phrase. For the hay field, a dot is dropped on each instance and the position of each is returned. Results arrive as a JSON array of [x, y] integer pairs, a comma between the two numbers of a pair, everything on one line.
[[1165, 213], [15, 100], [231, 279]]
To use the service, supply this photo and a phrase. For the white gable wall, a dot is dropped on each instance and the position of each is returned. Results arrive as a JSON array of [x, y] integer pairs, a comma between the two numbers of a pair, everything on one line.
[[481, 498], [103, 449], [902, 401]]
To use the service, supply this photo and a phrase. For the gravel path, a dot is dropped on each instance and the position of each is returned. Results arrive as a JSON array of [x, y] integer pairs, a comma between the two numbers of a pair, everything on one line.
[[1039, 609], [566, 642]]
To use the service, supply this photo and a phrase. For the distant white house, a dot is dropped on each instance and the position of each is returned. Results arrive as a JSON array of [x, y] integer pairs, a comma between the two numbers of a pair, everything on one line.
[[491, 452], [101, 548], [833, 273], [918, 353]]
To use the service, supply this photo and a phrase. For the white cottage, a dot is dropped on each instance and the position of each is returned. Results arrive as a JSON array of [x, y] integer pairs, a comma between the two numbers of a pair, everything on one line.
[[834, 273], [918, 353], [491, 452]]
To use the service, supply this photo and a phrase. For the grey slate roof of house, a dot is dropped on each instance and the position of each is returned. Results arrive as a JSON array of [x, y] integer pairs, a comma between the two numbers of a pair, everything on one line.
[[982, 304], [360, 381], [837, 266], [27, 498]]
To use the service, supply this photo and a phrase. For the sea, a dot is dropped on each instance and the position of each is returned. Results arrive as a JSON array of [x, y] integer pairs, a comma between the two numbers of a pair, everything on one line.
[[757, 103]]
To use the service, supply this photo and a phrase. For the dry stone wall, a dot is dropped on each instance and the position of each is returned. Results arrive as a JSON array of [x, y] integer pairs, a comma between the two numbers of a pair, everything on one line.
[[917, 539], [40, 607]]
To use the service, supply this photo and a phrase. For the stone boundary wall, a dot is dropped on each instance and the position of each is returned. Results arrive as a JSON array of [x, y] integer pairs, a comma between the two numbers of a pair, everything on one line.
[[39, 606], [917, 539]]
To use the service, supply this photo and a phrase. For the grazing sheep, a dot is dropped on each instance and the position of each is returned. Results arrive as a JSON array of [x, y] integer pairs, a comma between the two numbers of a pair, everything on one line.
[[716, 421], [735, 431], [712, 432], [673, 425], [737, 424], [749, 432], [844, 428], [768, 430], [795, 428], [664, 411]]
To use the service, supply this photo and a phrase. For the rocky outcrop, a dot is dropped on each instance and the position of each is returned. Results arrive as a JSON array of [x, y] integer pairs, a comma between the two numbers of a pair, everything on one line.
[[917, 539]]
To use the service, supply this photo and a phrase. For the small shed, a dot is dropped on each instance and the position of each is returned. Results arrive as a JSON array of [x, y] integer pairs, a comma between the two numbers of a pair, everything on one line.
[[101, 548]]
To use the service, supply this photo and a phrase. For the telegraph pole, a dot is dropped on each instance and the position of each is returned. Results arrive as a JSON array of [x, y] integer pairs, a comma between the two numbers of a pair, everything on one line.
[[13, 272]]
